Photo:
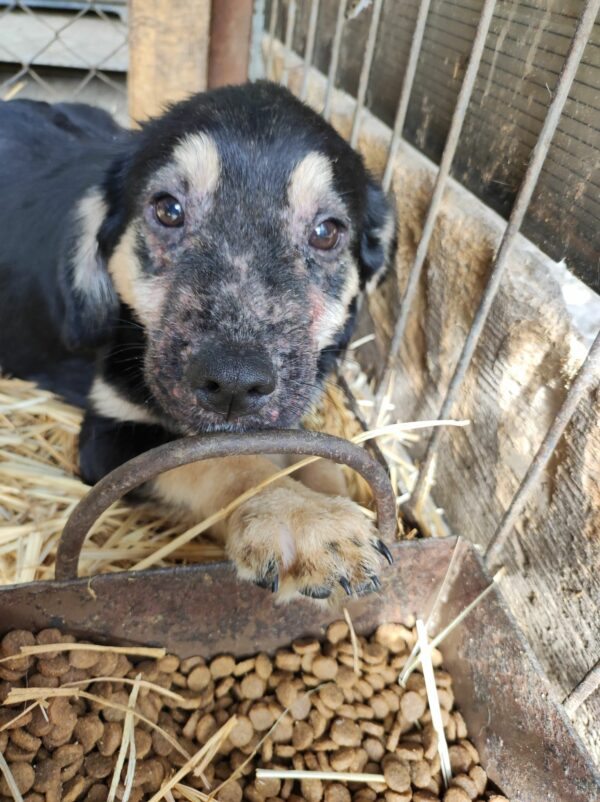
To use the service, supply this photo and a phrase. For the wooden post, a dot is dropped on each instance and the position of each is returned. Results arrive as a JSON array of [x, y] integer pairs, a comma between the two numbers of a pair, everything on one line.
[[168, 53], [230, 33]]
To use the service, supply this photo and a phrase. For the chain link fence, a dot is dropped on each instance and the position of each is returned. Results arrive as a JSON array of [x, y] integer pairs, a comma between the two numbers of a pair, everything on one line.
[[65, 50]]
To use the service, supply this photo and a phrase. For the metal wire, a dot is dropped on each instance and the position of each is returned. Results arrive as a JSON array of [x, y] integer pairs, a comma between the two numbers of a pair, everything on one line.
[[289, 36], [272, 26], [310, 45], [256, 62], [578, 43], [407, 85], [462, 103], [583, 690], [588, 372], [365, 71], [29, 68], [335, 56]]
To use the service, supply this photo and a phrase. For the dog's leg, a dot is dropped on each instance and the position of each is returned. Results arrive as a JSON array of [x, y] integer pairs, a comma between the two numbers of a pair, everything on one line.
[[323, 476], [106, 443], [287, 536]]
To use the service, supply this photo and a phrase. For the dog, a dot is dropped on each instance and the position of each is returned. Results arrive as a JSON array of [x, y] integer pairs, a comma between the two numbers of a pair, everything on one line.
[[199, 274]]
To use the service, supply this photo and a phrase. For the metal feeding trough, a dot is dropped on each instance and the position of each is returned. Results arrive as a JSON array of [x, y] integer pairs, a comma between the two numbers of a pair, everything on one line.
[[526, 743]]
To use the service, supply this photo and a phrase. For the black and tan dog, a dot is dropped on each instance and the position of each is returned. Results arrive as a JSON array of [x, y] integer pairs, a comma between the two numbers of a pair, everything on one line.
[[199, 274]]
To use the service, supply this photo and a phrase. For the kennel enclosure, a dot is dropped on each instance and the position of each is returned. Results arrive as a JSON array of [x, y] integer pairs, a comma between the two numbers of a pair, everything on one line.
[[501, 95]]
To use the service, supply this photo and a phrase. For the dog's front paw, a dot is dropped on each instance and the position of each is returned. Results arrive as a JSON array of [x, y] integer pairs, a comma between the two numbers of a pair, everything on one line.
[[292, 539]]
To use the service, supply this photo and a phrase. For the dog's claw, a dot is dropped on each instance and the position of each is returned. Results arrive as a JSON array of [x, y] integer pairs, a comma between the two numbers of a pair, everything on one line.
[[270, 580], [268, 584], [383, 549], [375, 581], [317, 593], [346, 585]]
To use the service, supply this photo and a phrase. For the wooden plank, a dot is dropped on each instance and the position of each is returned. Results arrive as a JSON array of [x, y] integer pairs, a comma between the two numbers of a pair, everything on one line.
[[528, 351], [168, 53], [230, 29]]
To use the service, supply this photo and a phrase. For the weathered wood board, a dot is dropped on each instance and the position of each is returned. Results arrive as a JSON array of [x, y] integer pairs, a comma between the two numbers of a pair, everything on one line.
[[524, 52], [530, 348], [168, 53]]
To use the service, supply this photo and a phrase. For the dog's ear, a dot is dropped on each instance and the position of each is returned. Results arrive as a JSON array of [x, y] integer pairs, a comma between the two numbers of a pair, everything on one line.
[[90, 300], [378, 240]]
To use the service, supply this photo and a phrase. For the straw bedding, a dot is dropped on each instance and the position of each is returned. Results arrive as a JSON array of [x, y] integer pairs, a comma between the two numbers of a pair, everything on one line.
[[39, 487]]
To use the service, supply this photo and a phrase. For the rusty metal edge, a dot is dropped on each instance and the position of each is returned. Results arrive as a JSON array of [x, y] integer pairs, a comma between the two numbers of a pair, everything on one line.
[[180, 452], [255, 620]]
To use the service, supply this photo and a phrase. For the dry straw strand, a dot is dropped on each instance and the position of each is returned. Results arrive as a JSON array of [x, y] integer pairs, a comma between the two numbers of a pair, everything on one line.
[[19, 695], [181, 701], [433, 701], [411, 665], [10, 780], [439, 597], [336, 776], [193, 794], [13, 721], [199, 760], [354, 642], [127, 745], [42, 648]]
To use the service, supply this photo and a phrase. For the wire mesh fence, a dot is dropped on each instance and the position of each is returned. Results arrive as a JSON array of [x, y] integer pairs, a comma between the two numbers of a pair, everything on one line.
[[65, 50]]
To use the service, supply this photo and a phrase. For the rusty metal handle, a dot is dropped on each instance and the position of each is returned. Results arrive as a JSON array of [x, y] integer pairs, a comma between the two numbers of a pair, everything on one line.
[[148, 465]]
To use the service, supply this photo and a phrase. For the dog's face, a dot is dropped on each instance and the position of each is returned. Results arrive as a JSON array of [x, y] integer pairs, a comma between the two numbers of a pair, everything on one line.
[[239, 232]]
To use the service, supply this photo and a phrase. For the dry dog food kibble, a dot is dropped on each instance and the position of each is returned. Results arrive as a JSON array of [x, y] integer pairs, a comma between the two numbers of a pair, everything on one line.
[[306, 708]]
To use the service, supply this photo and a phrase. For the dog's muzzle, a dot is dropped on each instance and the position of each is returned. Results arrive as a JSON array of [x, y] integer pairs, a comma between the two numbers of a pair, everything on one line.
[[230, 379]]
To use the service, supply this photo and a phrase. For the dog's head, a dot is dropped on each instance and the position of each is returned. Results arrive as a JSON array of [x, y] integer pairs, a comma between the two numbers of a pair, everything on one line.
[[239, 230]]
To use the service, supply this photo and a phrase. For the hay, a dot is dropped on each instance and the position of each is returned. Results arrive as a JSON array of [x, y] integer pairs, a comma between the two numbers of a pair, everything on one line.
[[336, 776], [44, 648], [127, 746], [433, 701], [39, 487], [18, 696], [354, 642], [10, 780]]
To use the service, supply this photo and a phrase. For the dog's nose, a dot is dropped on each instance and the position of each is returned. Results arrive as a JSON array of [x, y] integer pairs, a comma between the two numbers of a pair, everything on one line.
[[231, 379]]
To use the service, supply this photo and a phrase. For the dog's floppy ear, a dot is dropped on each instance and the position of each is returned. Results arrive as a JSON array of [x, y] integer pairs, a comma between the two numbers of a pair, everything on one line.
[[378, 240], [90, 301]]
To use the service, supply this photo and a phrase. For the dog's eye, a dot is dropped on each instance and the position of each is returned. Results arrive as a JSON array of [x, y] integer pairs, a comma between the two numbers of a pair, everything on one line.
[[168, 211], [325, 236]]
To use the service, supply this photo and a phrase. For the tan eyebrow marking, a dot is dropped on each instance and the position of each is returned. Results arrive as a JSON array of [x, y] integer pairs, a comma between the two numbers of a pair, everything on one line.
[[310, 182], [198, 159]]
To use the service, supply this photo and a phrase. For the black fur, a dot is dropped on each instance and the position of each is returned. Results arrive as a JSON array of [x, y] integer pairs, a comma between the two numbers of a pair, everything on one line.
[[49, 157], [56, 332]]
